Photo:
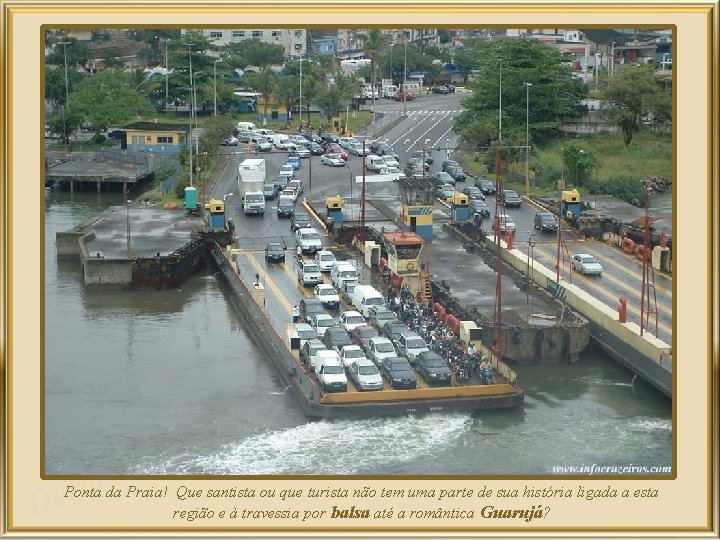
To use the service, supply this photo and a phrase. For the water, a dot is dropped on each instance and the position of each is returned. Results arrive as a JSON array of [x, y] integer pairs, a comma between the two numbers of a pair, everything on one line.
[[170, 382]]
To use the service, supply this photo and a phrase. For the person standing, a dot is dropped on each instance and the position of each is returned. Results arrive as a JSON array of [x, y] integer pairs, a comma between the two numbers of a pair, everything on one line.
[[296, 314]]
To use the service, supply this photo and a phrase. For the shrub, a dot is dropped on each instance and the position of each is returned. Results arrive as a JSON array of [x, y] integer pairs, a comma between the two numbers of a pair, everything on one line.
[[630, 190]]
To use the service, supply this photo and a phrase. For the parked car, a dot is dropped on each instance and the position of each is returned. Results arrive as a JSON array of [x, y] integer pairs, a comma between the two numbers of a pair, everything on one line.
[[379, 348], [350, 320], [320, 322], [310, 136], [398, 373], [120, 135], [289, 193], [334, 160], [586, 264], [299, 220], [309, 350], [433, 368], [404, 96], [410, 345], [329, 138], [379, 315], [509, 197], [261, 144], [358, 150], [345, 142], [474, 193], [545, 222], [325, 260], [457, 173], [391, 161], [393, 329], [350, 354], [305, 332], [441, 177], [336, 338], [275, 252], [327, 295], [361, 335], [316, 149], [485, 185], [365, 375], [505, 222], [230, 141], [309, 307], [480, 207], [337, 149]]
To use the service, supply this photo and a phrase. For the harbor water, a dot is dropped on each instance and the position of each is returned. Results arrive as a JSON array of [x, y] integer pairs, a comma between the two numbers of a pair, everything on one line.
[[171, 382]]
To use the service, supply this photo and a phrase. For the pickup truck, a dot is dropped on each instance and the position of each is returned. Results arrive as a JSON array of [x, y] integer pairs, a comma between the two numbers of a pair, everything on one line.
[[309, 241]]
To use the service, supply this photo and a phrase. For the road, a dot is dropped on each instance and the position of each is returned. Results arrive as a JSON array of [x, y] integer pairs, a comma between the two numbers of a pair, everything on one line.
[[427, 125]]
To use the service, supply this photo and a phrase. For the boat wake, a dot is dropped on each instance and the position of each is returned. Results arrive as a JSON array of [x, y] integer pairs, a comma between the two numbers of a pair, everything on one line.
[[326, 447]]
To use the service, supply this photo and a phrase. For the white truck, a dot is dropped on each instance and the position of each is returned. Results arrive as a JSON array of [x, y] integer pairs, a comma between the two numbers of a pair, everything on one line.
[[251, 178]]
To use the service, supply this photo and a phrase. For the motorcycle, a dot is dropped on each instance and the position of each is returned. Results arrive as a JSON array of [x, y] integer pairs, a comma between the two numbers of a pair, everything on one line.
[[487, 376]]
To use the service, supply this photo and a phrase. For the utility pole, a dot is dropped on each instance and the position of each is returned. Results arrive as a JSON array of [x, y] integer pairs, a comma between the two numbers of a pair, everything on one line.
[[300, 111], [215, 85], [527, 137], [67, 95], [500, 105]]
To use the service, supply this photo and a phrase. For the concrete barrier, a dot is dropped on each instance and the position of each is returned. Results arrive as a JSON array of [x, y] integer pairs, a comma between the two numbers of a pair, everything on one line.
[[100, 272]]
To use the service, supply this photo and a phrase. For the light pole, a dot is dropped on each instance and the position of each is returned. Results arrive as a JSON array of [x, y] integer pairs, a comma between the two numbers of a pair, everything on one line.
[[531, 244], [215, 85], [500, 105], [392, 45], [67, 95], [166, 74], [527, 137], [664, 60], [300, 106], [404, 76], [127, 220], [351, 189]]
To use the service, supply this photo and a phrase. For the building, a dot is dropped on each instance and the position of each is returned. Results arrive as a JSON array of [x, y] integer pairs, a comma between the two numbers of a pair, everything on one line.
[[325, 45], [293, 40], [155, 138]]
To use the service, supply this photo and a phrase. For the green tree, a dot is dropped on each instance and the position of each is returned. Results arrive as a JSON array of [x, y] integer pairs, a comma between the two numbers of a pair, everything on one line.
[[579, 162], [373, 42], [264, 82], [55, 83], [64, 122], [286, 92], [253, 52], [336, 97], [633, 93], [554, 93], [78, 52], [109, 98], [111, 58]]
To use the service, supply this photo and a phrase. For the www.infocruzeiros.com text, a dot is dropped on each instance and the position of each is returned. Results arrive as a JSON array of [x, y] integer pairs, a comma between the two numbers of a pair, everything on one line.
[[611, 469]]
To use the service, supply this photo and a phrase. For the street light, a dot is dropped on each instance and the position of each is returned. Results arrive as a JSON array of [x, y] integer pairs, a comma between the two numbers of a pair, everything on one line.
[[300, 106], [215, 84], [391, 64], [664, 60], [166, 74], [527, 137], [351, 189], [67, 96], [500, 105], [127, 220]]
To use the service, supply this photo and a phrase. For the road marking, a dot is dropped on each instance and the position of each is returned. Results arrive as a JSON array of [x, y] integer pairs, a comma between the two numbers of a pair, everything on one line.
[[270, 282]]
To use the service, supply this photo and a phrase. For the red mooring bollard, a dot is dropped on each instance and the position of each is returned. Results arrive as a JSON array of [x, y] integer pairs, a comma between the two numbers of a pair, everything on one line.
[[622, 310]]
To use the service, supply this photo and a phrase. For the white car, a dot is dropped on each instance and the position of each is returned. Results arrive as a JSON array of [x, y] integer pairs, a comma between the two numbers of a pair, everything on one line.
[[505, 222], [346, 142], [289, 193], [309, 240], [299, 150], [325, 260], [390, 161], [350, 354], [358, 150], [321, 322], [287, 171], [365, 375], [586, 264], [327, 294], [380, 348], [351, 319], [334, 160]]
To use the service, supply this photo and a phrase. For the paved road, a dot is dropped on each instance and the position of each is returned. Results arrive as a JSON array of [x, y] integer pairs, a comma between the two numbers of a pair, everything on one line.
[[427, 123]]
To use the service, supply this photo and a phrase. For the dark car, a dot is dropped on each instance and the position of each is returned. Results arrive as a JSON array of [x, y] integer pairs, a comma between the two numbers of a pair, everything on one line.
[[433, 368], [329, 138], [336, 338], [545, 222], [419, 155], [440, 178], [116, 134], [280, 181], [311, 136], [275, 252], [393, 329], [508, 197], [479, 207], [270, 191], [309, 307], [381, 148], [485, 185], [448, 163], [316, 149], [362, 334], [299, 220], [398, 373], [379, 315], [442, 89], [474, 193], [457, 173], [404, 96]]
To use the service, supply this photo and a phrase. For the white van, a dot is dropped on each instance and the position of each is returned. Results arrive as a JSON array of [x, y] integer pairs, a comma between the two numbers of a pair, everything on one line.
[[342, 271], [365, 296], [330, 371], [281, 141], [247, 126], [374, 163]]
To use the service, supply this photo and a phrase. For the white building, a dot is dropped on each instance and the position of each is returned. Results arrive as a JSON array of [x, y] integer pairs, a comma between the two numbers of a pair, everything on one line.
[[293, 40]]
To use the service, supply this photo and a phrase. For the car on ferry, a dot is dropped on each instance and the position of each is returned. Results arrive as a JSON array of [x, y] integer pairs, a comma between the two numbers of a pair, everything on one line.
[[325, 259], [398, 372], [305, 332], [327, 294], [393, 329], [380, 348], [309, 350], [410, 345], [379, 315], [321, 322], [350, 320], [362, 335], [433, 368], [336, 338], [329, 371], [365, 375], [586, 264], [350, 354]]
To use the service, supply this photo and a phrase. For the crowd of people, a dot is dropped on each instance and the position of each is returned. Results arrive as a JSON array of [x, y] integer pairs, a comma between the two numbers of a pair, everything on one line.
[[464, 360]]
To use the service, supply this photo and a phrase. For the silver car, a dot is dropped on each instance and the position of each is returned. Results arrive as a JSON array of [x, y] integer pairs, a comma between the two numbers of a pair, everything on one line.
[[586, 264]]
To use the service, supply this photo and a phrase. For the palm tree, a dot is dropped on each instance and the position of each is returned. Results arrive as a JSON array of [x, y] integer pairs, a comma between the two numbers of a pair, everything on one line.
[[265, 82], [373, 42]]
